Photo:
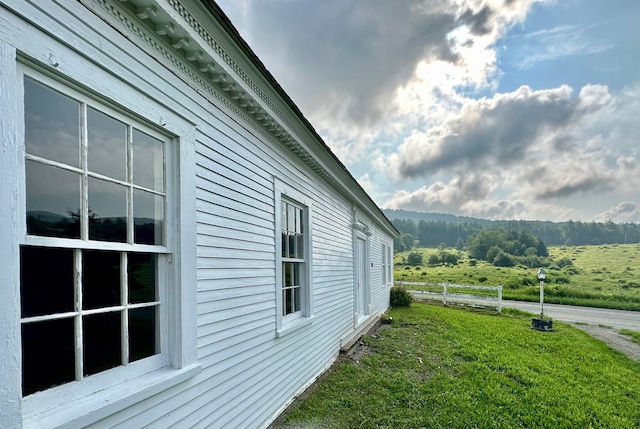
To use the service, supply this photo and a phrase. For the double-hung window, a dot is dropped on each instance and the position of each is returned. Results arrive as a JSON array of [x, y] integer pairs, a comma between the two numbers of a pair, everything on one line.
[[293, 241], [293, 256], [96, 238], [384, 265], [389, 266]]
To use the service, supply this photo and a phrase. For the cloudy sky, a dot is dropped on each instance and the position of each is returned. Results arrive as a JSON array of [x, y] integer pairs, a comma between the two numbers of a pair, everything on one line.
[[498, 109]]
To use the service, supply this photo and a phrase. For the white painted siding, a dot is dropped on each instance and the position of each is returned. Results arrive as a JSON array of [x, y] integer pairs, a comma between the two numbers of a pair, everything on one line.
[[248, 374]]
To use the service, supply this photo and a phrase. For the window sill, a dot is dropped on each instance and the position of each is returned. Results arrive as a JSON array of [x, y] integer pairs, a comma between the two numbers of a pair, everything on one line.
[[83, 411], [294, 326]]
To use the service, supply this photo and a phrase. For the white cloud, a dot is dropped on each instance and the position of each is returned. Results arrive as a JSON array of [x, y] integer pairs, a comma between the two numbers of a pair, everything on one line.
[[394, 87], [625, 212]]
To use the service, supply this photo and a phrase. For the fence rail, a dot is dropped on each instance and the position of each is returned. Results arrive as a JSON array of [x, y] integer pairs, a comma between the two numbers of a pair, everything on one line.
[[448, 295]]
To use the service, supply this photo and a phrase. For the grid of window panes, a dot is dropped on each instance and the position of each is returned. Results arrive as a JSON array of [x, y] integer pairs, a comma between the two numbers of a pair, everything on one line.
[[292, 225], [95, 201], [389, 265], [384, 264]]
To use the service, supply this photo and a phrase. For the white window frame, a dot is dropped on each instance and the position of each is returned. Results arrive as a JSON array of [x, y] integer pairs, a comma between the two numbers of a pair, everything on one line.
[[113, 390], [389, 266], [304, 317], [384, 277]]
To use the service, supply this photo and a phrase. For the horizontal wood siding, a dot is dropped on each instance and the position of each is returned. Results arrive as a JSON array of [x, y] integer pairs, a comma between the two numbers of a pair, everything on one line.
[[248, 374]]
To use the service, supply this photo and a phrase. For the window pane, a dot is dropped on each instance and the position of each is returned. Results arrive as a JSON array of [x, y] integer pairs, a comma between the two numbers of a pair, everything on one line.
[[101, 340], [142, 333], [299, 223], [296, 274], [107, 211], [285, 244], [283, 216], [299, 246], [292, 246], [148, 216], [107, 145], [288, 293], [142, 277], [296, 299], [53, 201], [52, 124], [46, 281], [148, 161], [100, 279], [287, 277], [291, 218], [48, 357]]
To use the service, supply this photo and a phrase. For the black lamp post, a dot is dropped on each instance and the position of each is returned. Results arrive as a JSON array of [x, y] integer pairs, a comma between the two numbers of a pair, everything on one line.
[[541, 324]]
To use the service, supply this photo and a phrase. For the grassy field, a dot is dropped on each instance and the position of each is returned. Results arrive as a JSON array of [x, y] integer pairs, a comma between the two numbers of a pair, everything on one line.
[[600, 276], [438, 367]]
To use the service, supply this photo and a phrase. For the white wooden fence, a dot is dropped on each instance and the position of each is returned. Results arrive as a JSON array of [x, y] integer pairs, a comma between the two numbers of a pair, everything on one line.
[[449, 296]]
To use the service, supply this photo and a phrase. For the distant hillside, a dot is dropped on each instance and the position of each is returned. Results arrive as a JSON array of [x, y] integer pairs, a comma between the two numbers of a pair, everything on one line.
[[432, 217], [431, 229]]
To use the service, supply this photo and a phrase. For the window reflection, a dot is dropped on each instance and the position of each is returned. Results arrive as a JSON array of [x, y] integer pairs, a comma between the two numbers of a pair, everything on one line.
[[107, 211], [101, 342], [142, 277], [52, 124], [107, 145], [142, 333], [100, 279], [48, 354], [148, 161], [53, 201], [46, 281], [148, 217]]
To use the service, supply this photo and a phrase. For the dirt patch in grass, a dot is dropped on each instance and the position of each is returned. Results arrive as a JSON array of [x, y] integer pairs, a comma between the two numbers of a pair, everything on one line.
[[613, 339]]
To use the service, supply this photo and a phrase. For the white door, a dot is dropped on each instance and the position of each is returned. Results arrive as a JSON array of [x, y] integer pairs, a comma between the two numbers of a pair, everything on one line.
[[361, 281]]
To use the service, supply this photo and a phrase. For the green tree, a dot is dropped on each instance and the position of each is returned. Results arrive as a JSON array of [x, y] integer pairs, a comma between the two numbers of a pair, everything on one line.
[[414, 258]]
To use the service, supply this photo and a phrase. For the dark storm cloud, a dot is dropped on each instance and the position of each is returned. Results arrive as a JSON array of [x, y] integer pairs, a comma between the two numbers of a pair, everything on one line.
[[494, 133], [573, 185], [355, 54]]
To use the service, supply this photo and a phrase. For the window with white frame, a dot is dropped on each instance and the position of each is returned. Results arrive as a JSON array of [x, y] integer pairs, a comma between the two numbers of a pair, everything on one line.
[[384, 264], [389, 266], [293, 257], [96, 243]]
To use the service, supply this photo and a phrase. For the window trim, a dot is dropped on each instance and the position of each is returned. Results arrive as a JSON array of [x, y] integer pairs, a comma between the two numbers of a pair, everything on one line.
[[384, 265], [390, 267], [178, 358], [294, 321]]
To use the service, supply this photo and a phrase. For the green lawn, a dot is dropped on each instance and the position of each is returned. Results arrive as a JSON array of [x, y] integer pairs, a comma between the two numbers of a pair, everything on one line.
[[438, 367], [601, 276]]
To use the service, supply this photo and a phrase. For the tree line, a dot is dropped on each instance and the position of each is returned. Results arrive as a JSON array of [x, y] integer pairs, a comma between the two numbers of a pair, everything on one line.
[[455, 232]]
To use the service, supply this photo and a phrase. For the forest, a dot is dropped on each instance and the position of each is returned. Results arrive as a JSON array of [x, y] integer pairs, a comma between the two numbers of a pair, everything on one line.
[[432, 229]]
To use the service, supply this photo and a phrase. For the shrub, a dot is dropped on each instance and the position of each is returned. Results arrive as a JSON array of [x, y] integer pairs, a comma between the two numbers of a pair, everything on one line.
[[400, 297], [528, 281], [571, 270], [433, 259], [565, 262], [473, 262], [512, 284], [414, 258], [482, 279], [503, 259]]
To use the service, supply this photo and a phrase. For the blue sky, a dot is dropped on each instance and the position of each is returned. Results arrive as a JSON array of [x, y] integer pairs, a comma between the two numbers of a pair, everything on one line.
[[496, 109]]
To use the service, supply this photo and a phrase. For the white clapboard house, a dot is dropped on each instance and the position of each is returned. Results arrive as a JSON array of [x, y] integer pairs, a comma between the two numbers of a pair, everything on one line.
[[178, 246]]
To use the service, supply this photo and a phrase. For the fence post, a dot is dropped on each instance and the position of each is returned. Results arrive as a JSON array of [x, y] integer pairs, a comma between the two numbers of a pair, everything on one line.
[[444, 294], [499, 298]]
